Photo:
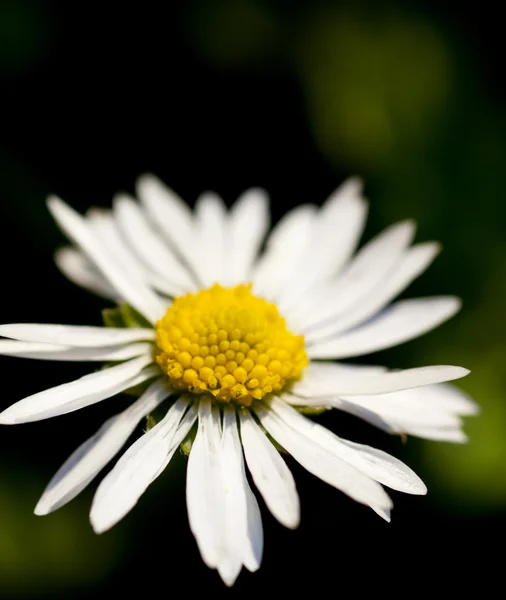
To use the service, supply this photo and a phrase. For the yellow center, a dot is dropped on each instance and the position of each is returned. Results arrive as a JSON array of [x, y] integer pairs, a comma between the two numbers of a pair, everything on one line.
[[230, 343]]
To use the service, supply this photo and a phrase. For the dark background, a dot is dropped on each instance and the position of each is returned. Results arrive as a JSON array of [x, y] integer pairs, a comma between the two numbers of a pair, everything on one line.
[[293, 97]]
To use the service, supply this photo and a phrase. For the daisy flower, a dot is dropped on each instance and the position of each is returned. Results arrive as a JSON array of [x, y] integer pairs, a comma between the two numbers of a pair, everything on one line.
[[232, 345]]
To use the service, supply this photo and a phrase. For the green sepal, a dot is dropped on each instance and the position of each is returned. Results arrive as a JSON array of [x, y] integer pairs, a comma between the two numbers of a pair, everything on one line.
[[155, 416], [139, 389], [311, 410], [150, 423], [124, 316], [112, 318], [187, 443], [132, 318]]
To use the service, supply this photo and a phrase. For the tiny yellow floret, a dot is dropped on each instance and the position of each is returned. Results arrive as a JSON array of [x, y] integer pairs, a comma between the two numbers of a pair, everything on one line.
[[229, 343]]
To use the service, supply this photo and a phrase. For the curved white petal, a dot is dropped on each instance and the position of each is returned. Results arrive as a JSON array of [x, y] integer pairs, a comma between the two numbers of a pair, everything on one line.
[[247, 225], [348, 382], [415, 261], [324, 374], [369, 267], [399, 323], [102, 223], [335, 236], [451, 398], [78, 394], [92, 456], [270, 473], [120, 491], [211, 223], [79, 336], [150, 248], [132, 289], [106, 229], [82, 272], [324, 464], [222, 511], [171, 216], [344, 405], [438, 434], [413, 407], [67, 353], [244, 532], [431, 411], [204, 486], [374, 463], [286, 245]]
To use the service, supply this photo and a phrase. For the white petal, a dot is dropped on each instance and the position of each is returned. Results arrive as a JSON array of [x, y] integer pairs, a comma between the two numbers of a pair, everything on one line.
[[101, 222], [323, 376], [370, 266], [82, 272], [335, 236], [270, 473], [244, 532], [348, 382], [416, 260], [374, 463], [438, 434], [285, 246], [92, 456], [322, 463], [77, 394], [80, 336], [411, 407], [384, 513], [120, 491], [399, 323], [67, 353], [183, 429], [204, 486], [106, 230], [150, 248], [247, 226], [170, 215], [450, 398], [130, 288], [345, 406], [211, 230], [430, 424]]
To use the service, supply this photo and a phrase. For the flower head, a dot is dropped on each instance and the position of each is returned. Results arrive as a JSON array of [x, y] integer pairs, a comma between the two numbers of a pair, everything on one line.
[[232, 343]]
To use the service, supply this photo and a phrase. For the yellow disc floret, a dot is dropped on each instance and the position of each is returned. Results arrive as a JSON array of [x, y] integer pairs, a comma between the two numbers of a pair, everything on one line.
[[230, 343]]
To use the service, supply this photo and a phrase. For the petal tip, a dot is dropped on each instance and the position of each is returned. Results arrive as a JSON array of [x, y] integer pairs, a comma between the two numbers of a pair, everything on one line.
[[54, 203], [356, 183], [7, 418], [228, 576], [419, 488], [42, 509], [98, 525], [292, 524]]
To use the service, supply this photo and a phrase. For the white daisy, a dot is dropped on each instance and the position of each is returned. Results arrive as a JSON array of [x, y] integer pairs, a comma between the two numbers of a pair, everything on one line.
[[233, 340]]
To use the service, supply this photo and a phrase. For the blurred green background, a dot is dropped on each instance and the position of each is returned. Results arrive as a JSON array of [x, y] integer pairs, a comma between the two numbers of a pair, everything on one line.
[[294, 97]]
